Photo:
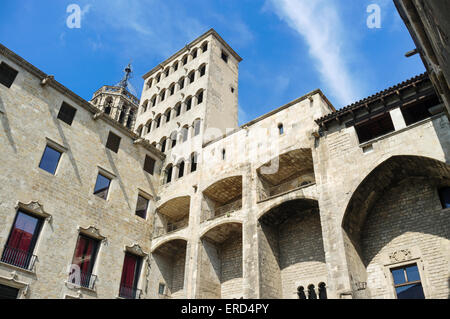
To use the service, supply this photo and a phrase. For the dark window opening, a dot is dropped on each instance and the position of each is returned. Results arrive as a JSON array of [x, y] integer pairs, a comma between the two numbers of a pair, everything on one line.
[[407, 282], [154, 101], [202, 71], [200, 98], [196, 128], [301, 293], [161, 289], [169, 174], [444, 194], [142, 207], [113, 142], [175, 67], [172, 90], [185, 60], [205, 47], [130, 119], [163, 95], [158, 122], [102, 186], [178, 110], [417, 112], [163, 146], [174, 140], [168, 117], [149, 165], [374, 128], [181, 170], [7, 292], [281, 129], [224, 153], [50, 160], [322, 291], [191, 77], [7, 75], [167, 72], [130, 277], [67, 113], [84, 257], [224, 56], [19, 248], [188, 104], [311, 292], [194, 54], [158, 78], [122, 115], [193, 163]]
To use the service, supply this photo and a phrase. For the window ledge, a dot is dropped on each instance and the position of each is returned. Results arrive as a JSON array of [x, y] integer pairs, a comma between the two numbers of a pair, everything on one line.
[[382, 137], [31, 272]]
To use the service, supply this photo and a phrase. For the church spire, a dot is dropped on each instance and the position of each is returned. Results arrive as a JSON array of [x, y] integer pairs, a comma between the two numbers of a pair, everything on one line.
[[124, 82]]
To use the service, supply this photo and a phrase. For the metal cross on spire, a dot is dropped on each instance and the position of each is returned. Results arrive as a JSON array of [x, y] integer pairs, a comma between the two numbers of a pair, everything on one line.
[[126, 77]]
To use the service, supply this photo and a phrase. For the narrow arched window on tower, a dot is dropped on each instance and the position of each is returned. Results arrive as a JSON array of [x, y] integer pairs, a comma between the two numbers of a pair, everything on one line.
[[130, 119], [322, 291], [193, 162], [224, 153], [281, 129], [312, 292], [181, 169], [301, 292]]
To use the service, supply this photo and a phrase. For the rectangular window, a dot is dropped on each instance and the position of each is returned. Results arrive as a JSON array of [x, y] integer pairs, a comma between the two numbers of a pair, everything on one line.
[[374, 128], [224, 56], [7, 75], [102, 186], [84, 257], [142, 207], [50, 159], [7, 292], [67, 113], [149, 165], [113, 142], [130, 277], [407, 282], [162, 288], [444, 194], [22, 240]]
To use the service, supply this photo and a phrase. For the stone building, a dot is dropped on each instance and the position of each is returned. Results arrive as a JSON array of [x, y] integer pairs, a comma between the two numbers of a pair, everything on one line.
[[304, 202]]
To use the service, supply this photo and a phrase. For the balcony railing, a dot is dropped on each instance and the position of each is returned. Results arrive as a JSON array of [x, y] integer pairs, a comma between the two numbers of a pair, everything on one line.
[[171, 227], [19, 258], [130, 292], [86, 280], [227, 209], [265, 193]]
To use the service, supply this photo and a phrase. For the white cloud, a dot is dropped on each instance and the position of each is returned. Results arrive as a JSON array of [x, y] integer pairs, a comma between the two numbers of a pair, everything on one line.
[[318, 22]]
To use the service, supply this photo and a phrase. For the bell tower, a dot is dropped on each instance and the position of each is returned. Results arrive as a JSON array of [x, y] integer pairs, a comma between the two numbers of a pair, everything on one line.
[[117, 102]]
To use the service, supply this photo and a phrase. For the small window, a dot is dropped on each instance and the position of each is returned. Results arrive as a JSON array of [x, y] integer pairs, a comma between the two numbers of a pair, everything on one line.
[[200, 98], [192, 77], [67, 113], [154, 101], [166, 73], [188, 104], [407, 282], [224, 56], [196, 128], [113, 142], [205, 47], [194, 54], [193, 162], [232, 89], [175, 66], [281, 129], [161, 289], [178, 110], [185, 60], [224, 154], [50, 160], [7, 292], [416, 112], [163, 95], [149, 83], [158, 78], [142, 207], [174, 140], [102, 186], [130, 119], [149, 165], [163, 145], [130, 277], [168, 116], [169, 171], [172, 89], [181, 83], [181, 170], [202, 70], [7, 75], [158, 122], [444, 195]]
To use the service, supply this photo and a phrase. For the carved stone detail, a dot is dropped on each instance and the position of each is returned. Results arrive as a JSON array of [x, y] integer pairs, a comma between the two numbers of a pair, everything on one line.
[[34, 207], [137, 250], [400, 255], [92, 231]]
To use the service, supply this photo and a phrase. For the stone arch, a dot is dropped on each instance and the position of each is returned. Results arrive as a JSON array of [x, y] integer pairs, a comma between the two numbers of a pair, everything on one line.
[[172, 215], [220, 261], [200, 96], [396, 207], [108, 105], [204, 46], [290, 247], [202, 69], [168, 264]]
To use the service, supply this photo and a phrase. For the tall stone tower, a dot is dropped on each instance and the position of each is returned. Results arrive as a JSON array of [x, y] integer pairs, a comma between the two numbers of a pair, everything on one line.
[[117, 102], [190, 97]]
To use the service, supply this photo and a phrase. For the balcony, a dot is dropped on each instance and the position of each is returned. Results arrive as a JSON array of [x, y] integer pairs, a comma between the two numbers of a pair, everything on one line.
[[18, 258], [130, 292], [83, 279], [227, 209], [171, 228]]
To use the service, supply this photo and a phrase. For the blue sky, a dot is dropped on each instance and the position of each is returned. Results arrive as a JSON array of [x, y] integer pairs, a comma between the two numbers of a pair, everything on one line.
[[289, 47]]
